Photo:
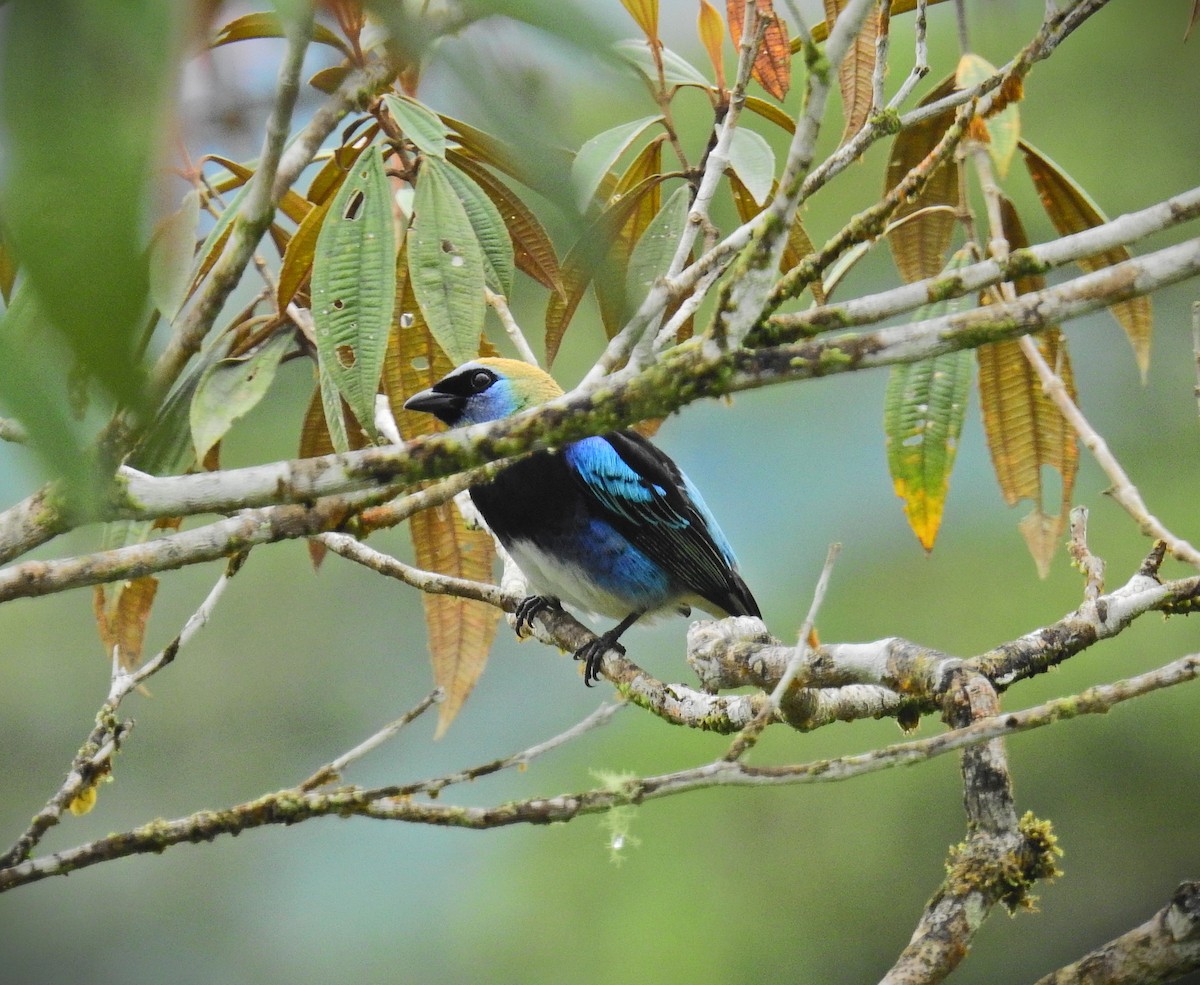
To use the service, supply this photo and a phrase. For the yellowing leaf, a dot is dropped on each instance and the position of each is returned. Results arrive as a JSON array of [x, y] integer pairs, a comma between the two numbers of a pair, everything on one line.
[[919, 246], [645, 12], [610, 278], [773, 63], [1072, 210], [1004, 126], [771, 112], [924, 408], [298, 257], [712, 35]]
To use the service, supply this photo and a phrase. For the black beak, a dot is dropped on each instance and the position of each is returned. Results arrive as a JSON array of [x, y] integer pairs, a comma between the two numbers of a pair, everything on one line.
[[446, 407]]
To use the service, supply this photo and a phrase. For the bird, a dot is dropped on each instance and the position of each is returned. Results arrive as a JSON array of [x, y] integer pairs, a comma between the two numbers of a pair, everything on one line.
[[608, 524]]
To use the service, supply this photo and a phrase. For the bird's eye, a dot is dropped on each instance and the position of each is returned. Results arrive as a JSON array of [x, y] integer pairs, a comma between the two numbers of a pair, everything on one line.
[[481, 380]]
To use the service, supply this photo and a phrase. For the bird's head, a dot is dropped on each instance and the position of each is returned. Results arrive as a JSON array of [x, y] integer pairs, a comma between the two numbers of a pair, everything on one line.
[[485, 390]]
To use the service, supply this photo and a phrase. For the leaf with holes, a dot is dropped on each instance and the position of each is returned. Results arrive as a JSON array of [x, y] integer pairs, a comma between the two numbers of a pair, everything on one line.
[[499, 265], [920, 245], [1072, 210], [230, 389], [445, 264], [598, 155], [924, 408], [419, 124], [354, 288], [533, 249]]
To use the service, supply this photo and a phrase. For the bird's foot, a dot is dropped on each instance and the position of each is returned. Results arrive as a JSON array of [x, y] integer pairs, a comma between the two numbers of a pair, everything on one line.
[[528, 608], [592, 655]]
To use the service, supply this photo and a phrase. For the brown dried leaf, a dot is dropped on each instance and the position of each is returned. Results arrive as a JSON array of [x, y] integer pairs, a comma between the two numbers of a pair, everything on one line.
[[856, 70], [460, 630], [1026, 432], [773, 63], [121, 621], [1072, 210], [919, 247]]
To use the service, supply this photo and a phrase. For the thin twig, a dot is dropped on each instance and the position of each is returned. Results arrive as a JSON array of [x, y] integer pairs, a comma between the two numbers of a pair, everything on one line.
[[600, 716], [1089, 565], [332, 772], [287, 808], [1123, 490], [748, 736], [93, 761], [499, 304]]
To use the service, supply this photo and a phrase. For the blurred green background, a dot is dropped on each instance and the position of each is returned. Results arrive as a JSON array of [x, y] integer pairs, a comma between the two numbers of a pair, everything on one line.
[[810, 883]]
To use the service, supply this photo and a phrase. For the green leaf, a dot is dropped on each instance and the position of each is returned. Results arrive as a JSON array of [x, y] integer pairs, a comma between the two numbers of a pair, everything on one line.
[[532, 245], [924, 408], [420, 124], [230, 389], [499, 261], [354, 287], [598, 155], [171, 251], [677, 71], [655, 250], [445, 264], [753, 162]]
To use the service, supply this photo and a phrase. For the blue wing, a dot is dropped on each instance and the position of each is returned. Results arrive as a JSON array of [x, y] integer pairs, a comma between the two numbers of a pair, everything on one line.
[[645, 496]]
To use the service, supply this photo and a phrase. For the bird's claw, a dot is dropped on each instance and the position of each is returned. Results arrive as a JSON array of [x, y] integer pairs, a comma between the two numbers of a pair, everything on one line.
[[592, 655], [527, 609]]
